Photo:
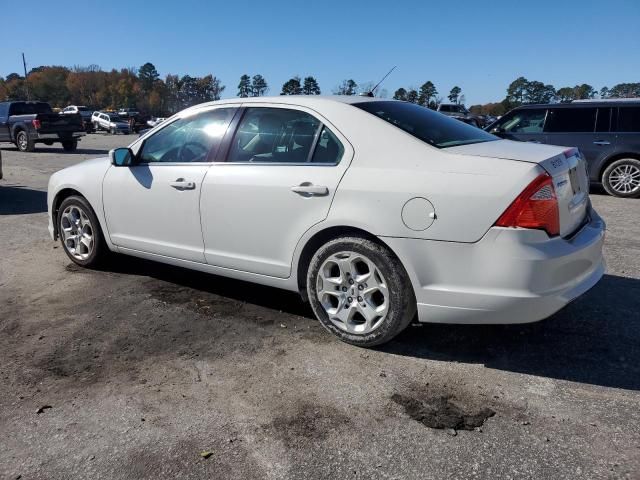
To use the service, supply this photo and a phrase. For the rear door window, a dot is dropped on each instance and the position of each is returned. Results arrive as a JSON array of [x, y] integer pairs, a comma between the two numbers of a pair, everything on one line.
[[628, 120], [603, 121], [571, 120]]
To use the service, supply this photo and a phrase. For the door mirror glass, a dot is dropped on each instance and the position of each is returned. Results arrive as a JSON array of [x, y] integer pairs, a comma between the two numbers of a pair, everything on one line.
[[121, 157]]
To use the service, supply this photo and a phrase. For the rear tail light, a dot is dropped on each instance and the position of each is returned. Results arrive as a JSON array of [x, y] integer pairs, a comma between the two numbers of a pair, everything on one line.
[[536, 207], [36, 123]]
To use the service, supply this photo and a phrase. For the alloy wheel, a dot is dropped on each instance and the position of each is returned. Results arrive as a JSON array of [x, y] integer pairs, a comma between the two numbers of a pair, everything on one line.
[[22, 141], [625, 179], [353, 292], [77, 232]]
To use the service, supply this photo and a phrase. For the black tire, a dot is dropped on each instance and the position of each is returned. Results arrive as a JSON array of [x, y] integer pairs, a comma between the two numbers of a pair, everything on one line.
[[100, 250], [609, 175], [402, 302], [70, 145], [112, 131], [24, 142], [96, 128]]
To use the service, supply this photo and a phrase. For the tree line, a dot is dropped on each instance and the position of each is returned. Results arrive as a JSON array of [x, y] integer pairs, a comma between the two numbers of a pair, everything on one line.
[[144, 89]]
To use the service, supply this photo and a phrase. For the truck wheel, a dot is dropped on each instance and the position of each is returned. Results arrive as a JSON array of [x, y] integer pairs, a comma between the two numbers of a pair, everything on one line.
[[70, 145], [112, 131], [24, 142]]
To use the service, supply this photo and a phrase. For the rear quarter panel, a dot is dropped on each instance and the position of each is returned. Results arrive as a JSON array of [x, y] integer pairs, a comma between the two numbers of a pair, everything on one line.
[[391, 167]]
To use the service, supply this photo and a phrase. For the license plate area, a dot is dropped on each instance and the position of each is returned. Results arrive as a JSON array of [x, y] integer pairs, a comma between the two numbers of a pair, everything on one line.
[[574, 180]]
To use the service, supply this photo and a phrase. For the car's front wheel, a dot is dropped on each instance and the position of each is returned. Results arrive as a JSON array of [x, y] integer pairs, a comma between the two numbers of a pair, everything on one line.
[[80, 232], [360, 291], [622, 178]]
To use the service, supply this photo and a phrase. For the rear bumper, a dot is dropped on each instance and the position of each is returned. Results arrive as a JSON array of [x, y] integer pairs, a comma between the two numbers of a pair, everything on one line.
[[509, 276], [59, 136]]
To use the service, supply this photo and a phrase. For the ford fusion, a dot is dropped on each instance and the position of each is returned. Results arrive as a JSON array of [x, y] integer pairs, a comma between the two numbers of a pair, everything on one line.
[[378, 212]]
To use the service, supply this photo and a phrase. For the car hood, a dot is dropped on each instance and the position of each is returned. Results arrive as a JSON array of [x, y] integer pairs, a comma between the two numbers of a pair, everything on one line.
[[509, 150]]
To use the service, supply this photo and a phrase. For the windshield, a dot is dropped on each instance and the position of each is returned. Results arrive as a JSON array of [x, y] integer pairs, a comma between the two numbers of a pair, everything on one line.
[[429, 126], [83, 109], [114, 118]]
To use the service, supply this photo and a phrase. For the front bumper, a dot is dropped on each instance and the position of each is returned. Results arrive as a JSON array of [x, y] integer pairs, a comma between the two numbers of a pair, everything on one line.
[[509, 276]]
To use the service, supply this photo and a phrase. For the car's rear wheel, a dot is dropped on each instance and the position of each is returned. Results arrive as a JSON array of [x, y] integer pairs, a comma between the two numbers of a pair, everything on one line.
[[622, 178], [360, 291], [112, 131], [80, 232], [24, 142]]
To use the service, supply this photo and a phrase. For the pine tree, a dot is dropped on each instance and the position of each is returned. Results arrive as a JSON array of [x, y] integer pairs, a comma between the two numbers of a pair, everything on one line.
[[310, 86], [244, 87], [258, 86]]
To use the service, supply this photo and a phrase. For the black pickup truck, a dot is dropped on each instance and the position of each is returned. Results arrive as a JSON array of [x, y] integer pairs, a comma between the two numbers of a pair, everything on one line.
[[27, 123]]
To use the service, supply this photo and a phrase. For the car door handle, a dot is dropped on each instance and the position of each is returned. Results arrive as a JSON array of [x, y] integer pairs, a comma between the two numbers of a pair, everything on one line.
[[601, 142], [182, 184], [310, 190]]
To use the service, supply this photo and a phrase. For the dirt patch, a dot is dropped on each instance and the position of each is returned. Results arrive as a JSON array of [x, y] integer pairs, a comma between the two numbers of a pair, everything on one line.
[[308, 421], [440, 412]]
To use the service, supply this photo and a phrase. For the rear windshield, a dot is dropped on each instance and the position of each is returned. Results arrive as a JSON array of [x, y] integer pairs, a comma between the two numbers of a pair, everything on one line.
[[20, 108], [429, 126]]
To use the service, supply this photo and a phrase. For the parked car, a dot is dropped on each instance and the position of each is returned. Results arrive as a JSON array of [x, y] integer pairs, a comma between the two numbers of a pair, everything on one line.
[[606, 132], [110, 122], [461, 113], [372, 209], [27, 123], [84, 112], [155, 121]]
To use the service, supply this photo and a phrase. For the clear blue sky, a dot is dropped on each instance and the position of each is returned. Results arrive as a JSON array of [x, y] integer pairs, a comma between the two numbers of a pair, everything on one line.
[[479, 45]]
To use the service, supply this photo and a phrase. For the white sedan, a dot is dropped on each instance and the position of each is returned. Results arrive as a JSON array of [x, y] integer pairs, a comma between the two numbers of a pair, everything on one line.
[[376, 211]]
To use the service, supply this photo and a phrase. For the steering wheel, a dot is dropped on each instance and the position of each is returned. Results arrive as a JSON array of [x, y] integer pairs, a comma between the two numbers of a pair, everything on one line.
[[192, 152]]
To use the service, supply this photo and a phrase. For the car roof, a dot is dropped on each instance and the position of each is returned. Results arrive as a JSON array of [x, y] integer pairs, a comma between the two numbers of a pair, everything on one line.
[[595, 103], [301, 100]]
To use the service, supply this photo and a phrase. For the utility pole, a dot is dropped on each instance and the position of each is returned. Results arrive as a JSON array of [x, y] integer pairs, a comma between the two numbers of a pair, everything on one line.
[[26, 84]]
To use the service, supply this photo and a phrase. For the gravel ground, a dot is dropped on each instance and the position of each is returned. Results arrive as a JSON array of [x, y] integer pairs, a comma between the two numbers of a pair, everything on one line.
[[139, 368]]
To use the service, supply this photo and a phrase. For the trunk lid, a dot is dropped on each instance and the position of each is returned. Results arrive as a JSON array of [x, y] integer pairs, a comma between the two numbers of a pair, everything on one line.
[[566, 166]]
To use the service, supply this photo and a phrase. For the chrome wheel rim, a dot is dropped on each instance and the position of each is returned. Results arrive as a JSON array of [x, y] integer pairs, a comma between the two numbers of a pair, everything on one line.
[[625, 179], [353, 292], [77, 232], [22, 141]]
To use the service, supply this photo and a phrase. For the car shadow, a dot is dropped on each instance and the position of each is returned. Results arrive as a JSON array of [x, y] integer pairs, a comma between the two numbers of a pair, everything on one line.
[[52, 149], [17, 200], [594, 340], [260, 295]]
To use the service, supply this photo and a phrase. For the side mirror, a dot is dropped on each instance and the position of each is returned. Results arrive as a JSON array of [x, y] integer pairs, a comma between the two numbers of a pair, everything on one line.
[[121, 157]]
